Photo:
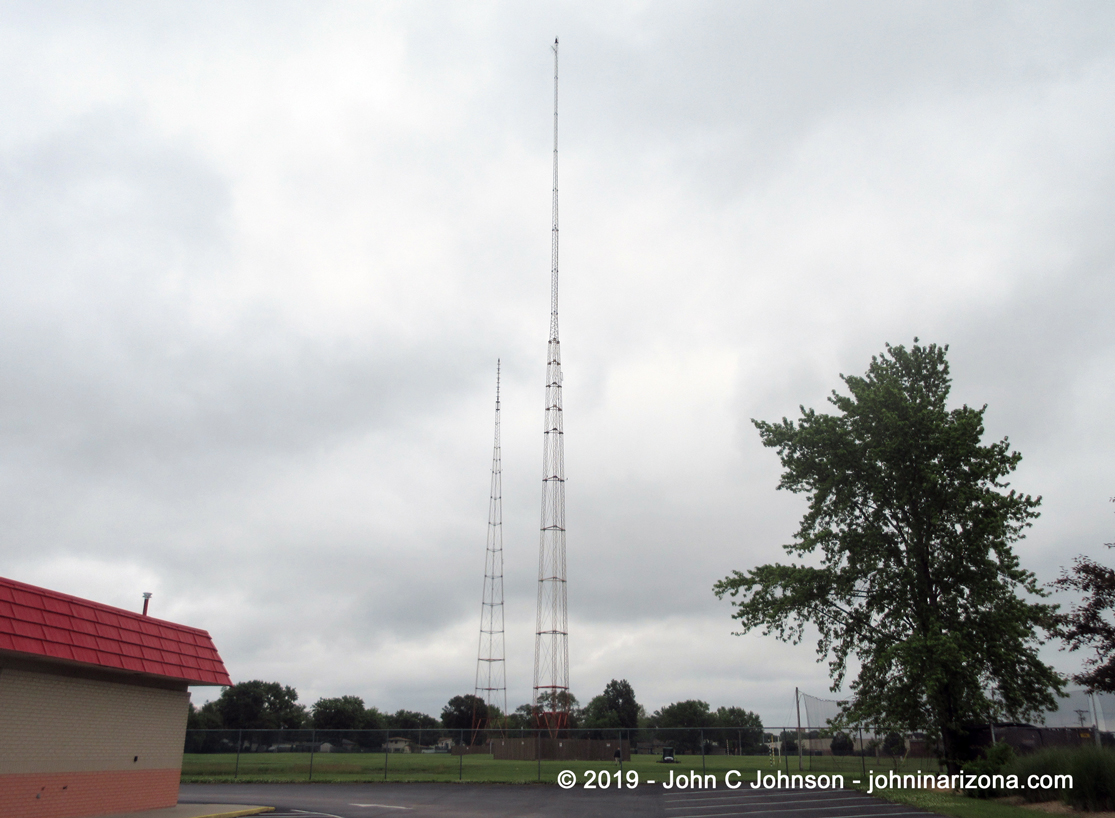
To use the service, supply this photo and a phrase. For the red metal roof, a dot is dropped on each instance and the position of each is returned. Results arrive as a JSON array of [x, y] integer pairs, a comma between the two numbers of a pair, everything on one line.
[[48, 624]]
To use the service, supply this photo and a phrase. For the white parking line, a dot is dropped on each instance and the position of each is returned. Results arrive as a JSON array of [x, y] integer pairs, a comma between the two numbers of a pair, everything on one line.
[[826, 797], [380, 806]]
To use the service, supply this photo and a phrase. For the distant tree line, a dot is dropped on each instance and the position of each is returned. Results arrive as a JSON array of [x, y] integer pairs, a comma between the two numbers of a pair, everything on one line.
[[258, 705]]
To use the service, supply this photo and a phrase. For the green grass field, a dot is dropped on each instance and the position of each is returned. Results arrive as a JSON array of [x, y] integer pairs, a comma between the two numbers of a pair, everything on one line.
[[198, 767]]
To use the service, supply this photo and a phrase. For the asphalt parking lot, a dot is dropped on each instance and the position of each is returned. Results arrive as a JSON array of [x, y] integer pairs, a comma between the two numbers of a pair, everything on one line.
[[779, 804], [541, 801]]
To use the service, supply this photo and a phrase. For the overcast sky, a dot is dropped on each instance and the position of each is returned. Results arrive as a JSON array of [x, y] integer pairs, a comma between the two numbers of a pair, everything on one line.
[[259, 260]]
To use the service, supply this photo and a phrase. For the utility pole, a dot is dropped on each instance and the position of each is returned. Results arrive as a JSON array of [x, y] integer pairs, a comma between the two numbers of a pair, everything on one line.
[[551, 639]]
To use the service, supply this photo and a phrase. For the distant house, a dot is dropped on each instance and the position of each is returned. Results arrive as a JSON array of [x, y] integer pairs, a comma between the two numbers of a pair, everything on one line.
[[93, 704], [444, 744], [398, 744]]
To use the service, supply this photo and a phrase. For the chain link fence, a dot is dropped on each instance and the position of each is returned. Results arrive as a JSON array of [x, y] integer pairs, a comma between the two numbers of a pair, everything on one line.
[[531, 755], [820, 743], [828, 742]]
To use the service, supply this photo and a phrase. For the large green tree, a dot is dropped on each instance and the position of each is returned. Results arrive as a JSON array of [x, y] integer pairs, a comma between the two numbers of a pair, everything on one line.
[[616, 707], [907, 559], [464, 712], [740, 728], [560, 701], [203, 725], [1091, 624], [691, 714], [206, 717], [341, 713], [257, 705]]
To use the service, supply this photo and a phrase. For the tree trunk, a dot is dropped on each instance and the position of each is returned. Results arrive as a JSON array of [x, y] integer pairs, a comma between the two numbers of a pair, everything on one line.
[[951, 746]]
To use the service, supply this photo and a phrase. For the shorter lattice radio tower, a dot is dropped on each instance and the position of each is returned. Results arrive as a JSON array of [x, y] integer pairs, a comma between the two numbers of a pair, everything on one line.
[[491, 674]]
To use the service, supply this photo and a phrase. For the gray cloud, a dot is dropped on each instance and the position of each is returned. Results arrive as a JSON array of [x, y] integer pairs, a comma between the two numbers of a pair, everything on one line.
[[259, 263]]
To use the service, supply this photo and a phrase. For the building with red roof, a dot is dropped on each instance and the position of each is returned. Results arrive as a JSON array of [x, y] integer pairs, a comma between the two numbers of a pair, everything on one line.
[[93, 704]]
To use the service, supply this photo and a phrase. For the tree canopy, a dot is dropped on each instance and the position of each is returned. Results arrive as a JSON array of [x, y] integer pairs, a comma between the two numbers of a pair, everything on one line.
[[1090, 625], [521, 718], [616, 707], [260, 705], [205, 717], [561, 701], [343, 713], [842, 744], [257, 705], [907, 558], [691, 714], [464, 712], [411, 720], [894, 745]]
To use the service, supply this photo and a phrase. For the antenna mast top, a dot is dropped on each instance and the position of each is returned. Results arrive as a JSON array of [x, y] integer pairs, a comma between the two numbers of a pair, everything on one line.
[[554, 229]]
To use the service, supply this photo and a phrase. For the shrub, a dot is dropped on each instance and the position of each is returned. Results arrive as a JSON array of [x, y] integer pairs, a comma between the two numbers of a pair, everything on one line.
[[1093, 780], [842, 745], [996, 759], [1053, 761], [894, 745]]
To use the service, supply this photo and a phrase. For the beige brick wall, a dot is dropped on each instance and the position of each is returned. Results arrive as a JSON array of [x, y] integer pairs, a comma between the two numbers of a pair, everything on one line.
[[52, 724]]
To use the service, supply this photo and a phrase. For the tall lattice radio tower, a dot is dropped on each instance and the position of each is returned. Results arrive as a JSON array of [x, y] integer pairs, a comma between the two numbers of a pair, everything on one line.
[[491, 674], [551, 640]]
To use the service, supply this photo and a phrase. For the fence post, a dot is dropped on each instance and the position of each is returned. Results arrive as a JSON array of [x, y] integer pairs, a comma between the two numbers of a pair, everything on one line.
[[239, 741], [538, 752], [702, 751], [1096, 719], [386, 750], [313, 738], [461, 763], [797, 705], [862, 752]]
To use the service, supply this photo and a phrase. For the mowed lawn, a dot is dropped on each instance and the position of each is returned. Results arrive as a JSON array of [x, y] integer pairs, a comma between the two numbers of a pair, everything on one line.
[[211, 767], [198, 767]]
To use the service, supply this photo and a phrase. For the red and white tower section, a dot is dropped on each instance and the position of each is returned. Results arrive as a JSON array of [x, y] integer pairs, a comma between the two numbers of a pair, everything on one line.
[[491, 674], [551, 640]]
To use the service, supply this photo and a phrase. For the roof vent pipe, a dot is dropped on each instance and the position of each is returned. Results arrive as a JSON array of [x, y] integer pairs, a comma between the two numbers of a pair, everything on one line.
[[146, 599]]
